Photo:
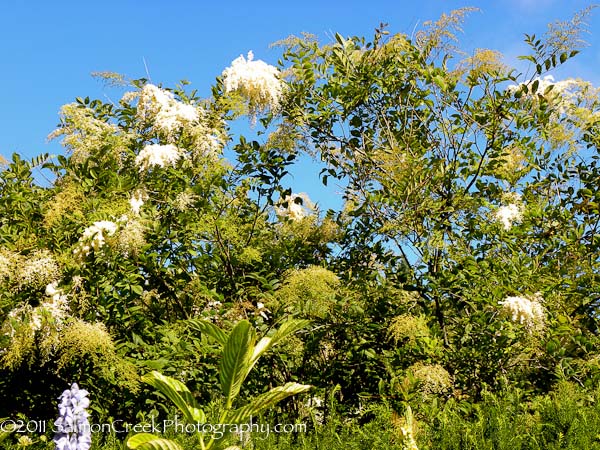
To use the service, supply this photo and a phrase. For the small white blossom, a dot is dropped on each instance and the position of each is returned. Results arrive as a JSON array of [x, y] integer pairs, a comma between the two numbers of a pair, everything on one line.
[[184, 200], [262, 310], [510, 213], [57, 305], [214, 304], [93, 237], [136, 202], [298, 206], [163, 111], [256, 81], [157, 155], [525, 311]]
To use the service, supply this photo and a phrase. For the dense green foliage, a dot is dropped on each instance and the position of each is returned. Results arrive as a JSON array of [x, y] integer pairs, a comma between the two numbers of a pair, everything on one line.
[[459, 280]]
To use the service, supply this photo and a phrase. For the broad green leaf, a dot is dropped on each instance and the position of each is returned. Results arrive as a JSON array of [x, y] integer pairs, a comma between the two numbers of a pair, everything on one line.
[[236, 359], [178, 393], [147, 441], [286, 329], [265, 401], [210, 329]]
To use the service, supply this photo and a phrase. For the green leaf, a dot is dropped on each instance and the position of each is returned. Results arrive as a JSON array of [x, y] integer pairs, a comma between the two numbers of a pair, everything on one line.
[[147, 441], [563, 57], [286, 329], [157, 364], [178, 393], [236, 359], [136, 288], [265, 401], [209, 329]]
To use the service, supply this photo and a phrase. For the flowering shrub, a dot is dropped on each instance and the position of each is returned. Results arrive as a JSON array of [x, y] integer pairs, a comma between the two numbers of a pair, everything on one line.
[[461, 182]]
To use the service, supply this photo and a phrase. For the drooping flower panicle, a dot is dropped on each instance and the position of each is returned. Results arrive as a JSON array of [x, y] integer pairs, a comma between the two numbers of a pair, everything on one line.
[[93, 237], [258, 82]]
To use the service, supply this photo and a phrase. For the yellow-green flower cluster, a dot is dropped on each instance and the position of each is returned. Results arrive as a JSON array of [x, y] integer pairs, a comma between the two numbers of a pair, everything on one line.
[[433, 378], [407, 327]]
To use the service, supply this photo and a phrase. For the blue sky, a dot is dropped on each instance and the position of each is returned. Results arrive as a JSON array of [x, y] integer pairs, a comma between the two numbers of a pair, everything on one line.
[[50, 48]]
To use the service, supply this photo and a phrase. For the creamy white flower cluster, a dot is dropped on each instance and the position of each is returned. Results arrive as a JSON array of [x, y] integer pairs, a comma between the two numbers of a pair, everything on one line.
[[561, 94], [528, 312], [157, 155], [258, 82], [298, 207], [54, 308], [137, 201], [160, 107], [511, 212], [6, 266], [169, 118], [131, 236], [57, 304], [37, 270], [93, 238]]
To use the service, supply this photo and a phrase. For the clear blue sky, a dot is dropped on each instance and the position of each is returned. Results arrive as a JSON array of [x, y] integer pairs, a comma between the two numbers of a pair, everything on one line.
[[49, 48]]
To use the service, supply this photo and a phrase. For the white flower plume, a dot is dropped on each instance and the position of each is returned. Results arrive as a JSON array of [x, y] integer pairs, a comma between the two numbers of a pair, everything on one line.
[[256, 81], [525, 311], [157, 155]]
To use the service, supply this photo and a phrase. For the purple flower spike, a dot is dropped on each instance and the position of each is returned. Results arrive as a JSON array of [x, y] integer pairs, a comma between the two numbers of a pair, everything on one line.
[[72, 426]]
